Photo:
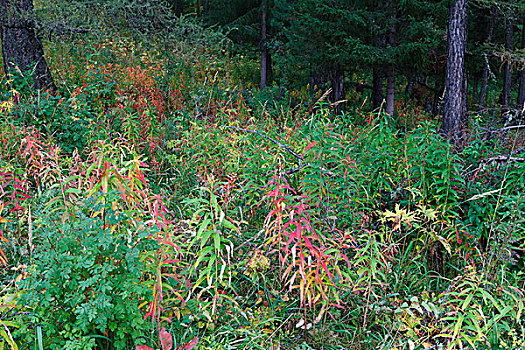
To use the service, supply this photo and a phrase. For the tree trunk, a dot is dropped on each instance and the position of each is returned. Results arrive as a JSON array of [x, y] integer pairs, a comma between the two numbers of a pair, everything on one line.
[[264, 48], [317, 81], [377, 88], [475, 88], [454, 119], [521, 93], [21, 48], [269, 68], [390, 70], [486, 67], [337, 81], [390, 89], [507, 80], [205, 7], [198, 6]]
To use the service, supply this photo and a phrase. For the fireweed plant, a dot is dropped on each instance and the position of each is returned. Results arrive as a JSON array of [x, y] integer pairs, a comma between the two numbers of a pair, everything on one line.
[[157, 202]]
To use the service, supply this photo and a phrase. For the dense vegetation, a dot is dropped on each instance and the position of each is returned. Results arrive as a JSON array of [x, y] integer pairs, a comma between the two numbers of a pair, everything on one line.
[[227, 175]]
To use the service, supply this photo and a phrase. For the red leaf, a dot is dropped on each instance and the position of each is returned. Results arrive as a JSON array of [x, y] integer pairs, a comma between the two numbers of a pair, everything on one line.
[[143, 347], [188, 346], [165, 339]]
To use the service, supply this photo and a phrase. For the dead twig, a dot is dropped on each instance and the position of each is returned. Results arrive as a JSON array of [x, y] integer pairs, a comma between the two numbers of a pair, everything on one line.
[[498, 160], [286, 148], [291, 151]]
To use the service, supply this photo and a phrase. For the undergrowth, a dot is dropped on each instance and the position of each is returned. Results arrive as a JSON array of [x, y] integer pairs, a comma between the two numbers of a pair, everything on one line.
[[157, 203]]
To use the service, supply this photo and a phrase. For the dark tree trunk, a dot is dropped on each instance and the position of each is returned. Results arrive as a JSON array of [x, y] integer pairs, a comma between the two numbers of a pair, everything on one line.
[[198, 5], [507, 76], [21, 48], [337, 81], [317, 81], [264, 48], [205, 7], [475, 88], [390, 89], [176, 5], [390, 69], [454, 119], [486, 67], [521, 92], [269, 68], [377, 88]]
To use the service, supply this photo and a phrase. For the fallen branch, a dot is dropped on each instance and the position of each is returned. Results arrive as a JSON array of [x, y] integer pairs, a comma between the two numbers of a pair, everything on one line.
[[511, 128], [286, 148], [291, 151], [496, 159]]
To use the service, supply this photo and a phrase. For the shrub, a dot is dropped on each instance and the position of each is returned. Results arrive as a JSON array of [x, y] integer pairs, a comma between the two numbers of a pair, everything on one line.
[[87, 276]]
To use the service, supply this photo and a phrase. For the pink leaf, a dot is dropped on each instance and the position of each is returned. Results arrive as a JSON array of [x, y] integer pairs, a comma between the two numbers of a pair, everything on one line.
[[143, 347], [165, 339], [310, 145], [188, 346]]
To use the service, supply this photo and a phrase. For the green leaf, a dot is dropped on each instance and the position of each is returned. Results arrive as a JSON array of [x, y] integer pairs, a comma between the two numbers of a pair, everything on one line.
[[217, 240], [467, 301], [203, 226], [458, 325]]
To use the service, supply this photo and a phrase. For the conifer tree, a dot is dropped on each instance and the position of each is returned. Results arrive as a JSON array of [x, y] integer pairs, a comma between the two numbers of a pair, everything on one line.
[[21, 48], [455, 111]]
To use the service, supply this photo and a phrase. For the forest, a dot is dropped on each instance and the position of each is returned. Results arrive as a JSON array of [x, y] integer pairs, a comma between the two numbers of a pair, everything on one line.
[[262, 174]]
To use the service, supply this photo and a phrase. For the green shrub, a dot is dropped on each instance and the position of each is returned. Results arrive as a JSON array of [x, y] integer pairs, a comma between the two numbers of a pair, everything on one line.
[[85, 280]]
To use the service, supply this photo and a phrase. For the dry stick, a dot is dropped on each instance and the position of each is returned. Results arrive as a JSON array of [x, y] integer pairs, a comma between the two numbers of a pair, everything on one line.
[[268, 138], [511, 127], [497, 159], [503, 129], [283, 146]]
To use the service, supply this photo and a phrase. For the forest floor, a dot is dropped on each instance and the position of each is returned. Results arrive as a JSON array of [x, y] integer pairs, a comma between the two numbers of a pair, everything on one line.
[[161, 201]]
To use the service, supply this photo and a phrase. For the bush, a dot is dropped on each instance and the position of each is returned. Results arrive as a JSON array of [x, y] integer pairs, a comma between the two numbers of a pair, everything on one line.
[[85, 281]]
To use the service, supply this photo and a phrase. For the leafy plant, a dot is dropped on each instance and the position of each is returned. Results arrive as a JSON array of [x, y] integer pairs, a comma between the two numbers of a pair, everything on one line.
[[213, 258], [8, 320], [85, 281], [474, 308]]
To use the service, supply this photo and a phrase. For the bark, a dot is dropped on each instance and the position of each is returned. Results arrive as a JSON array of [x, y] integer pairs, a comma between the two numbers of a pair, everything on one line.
[[205, 7], [317, 81], [454, 119], [521, 92], [486, 67], [390, 70], [377, 88], [269, 68], [337, 80], [475, 88], [390, 89], [507, 77], [264, 48], [21, 48]]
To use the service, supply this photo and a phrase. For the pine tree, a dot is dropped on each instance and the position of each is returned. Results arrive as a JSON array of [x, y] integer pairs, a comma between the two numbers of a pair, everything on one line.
[[455, 111], [21, 48], [521, 93]]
